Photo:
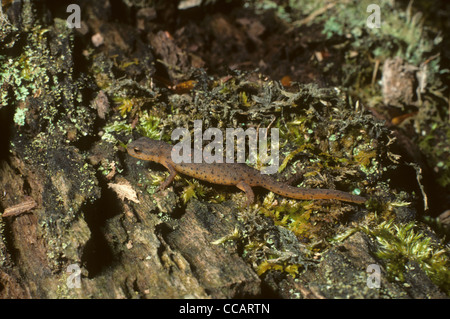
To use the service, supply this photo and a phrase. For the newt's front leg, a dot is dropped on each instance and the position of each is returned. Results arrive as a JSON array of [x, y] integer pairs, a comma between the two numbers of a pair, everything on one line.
[[169, 179], [248, 191]]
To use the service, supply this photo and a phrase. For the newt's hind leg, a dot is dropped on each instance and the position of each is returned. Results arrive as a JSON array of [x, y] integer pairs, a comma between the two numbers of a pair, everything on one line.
[[243, 186]]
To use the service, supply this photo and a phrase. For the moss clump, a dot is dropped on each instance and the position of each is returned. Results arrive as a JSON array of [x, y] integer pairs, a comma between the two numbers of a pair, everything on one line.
[[397, 244], [294, 215], [291, 269]]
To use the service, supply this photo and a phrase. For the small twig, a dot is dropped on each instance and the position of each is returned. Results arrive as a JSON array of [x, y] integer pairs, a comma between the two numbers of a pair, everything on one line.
[[28, 204], [375, 71], [270, 125], [431, 58], [314, 14], [419, 181]]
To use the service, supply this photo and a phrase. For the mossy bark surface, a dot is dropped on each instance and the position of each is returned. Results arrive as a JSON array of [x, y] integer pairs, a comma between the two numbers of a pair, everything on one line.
[[80, 207]]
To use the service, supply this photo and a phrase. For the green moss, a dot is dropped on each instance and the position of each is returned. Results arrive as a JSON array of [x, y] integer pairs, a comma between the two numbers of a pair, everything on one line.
[[125, 105], [196, 189], [149, 125], [399, 243], [365, 157], [266, 265], [299, 130], [292, 214]]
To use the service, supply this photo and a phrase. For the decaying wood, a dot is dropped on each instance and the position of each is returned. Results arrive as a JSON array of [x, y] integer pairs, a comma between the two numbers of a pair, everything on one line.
[[126, 241]]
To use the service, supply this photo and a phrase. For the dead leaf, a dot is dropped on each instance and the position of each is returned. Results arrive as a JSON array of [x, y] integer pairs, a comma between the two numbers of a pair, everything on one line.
[[124, 190]]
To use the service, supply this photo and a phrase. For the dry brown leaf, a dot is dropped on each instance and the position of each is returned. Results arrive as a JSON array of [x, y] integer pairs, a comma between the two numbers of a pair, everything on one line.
[[124, 190]]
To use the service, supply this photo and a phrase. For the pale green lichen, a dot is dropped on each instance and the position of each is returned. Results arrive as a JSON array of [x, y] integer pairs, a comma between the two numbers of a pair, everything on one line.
[[116, 127], [20, 115], [24, 73]]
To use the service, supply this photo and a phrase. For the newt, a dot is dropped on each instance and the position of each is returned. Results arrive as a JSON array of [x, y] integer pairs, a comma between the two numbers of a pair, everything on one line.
[[235, 174]]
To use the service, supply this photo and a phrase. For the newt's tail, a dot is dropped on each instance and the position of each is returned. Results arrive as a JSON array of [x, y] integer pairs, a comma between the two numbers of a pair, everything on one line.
[[307, 193]]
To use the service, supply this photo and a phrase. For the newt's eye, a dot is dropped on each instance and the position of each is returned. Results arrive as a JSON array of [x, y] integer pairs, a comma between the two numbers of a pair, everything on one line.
[[137, 150]]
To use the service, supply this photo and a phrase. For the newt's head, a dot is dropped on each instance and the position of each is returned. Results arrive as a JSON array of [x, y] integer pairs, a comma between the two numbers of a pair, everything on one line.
[[147, 149]]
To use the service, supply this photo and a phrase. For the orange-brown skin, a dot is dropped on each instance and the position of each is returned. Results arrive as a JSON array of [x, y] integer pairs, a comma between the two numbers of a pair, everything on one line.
[[240, 175]]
